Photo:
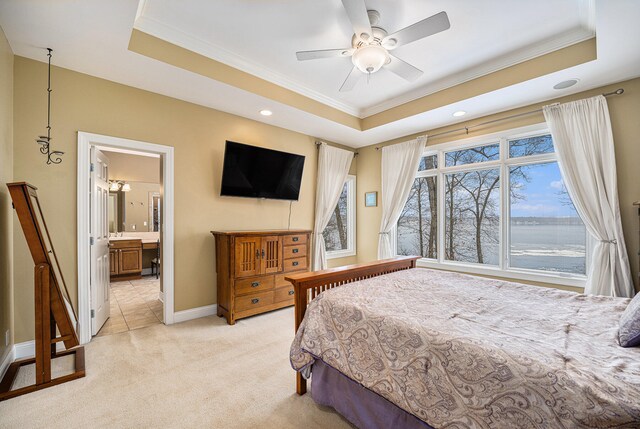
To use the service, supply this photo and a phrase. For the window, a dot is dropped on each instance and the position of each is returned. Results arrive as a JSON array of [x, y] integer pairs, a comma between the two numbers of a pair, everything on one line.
[[497, 206], [472, 216], [417, 228], [339, 235]]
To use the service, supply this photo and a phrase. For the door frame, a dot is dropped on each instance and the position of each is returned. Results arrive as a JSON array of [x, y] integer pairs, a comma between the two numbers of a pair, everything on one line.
[[85, 141]]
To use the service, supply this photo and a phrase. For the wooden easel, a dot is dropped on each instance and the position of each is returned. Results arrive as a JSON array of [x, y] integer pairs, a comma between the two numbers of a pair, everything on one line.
[[53, 312]]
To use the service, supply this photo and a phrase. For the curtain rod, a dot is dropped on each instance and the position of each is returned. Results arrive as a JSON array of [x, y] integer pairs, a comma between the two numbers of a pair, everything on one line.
[[618, 91], [319, 143]]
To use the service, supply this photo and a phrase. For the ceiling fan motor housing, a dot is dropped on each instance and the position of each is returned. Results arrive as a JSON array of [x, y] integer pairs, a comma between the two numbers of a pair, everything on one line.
[[378, 35]]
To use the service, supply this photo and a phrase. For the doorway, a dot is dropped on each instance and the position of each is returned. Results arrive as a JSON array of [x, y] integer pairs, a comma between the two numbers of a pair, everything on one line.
[[123, 226]]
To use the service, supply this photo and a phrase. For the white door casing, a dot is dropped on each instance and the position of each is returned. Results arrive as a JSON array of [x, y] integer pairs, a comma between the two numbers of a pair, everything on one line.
[[85, 142], [99, 213]]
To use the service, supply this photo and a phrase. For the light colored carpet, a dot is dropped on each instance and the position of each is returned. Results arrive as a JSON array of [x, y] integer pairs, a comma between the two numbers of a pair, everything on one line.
[[198, 374]]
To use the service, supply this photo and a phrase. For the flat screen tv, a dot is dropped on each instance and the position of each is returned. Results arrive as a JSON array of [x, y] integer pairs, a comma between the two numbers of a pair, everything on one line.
[[256, 172]]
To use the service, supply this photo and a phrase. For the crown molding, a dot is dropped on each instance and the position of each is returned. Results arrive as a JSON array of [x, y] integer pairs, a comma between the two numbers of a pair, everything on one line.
[[177, 37]]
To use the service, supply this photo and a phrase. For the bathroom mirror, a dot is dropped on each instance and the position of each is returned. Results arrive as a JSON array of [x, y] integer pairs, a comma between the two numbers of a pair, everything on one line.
[[136, 210]]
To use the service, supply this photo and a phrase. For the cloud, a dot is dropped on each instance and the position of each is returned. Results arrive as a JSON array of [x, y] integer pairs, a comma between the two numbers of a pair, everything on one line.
[[557, 184]]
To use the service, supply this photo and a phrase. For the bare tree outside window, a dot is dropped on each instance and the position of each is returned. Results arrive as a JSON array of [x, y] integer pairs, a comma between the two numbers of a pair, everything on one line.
[[336, 235]]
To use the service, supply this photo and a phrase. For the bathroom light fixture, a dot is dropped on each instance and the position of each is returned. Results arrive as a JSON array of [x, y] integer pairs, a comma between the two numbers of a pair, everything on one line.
[[266, 112], [565, 84], [459, 113], [119, 185]]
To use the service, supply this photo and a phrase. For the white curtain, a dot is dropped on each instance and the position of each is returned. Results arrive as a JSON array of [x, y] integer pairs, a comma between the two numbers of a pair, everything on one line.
[[399, 167], [583, 140], [333, 167]]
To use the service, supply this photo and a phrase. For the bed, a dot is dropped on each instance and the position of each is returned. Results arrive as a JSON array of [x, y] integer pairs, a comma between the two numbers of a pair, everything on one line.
[[441, 349]]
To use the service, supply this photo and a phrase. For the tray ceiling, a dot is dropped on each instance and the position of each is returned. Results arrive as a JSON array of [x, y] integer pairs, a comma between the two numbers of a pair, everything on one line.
[[260, 38]]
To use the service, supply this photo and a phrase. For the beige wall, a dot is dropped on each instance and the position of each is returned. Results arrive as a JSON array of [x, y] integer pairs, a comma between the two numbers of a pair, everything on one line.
[[85, 103], [6, 175], [625, 114], [134, 168]]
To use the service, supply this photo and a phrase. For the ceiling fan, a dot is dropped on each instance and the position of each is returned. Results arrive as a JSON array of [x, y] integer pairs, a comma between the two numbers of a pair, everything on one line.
[[370, 44]]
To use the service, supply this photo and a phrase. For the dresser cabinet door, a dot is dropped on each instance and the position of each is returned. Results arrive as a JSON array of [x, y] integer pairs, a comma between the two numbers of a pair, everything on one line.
[[129, 261], [271, 254], [247, 256]]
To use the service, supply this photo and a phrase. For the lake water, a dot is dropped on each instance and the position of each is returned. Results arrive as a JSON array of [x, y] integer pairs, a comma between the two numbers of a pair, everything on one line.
[[549, 247], [537, 245]]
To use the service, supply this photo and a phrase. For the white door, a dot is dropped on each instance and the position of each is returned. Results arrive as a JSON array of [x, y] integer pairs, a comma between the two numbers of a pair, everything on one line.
[[100, 307]]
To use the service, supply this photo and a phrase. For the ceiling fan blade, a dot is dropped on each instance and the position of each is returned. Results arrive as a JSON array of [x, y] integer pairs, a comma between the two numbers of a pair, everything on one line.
[[357, 12], [403, 69], [351, 80], [421, 29], [324, 53]]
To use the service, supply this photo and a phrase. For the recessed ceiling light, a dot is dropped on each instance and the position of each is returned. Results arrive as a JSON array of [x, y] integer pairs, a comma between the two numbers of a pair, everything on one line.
[[460, 113], [266, 112], [565, 84]]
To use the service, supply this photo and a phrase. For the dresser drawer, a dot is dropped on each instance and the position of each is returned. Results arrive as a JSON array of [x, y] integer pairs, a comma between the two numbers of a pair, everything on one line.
[[295, 251], [255, 300], [289, 240], [281, 282], [295, 264], [284, 294], [254, 284]]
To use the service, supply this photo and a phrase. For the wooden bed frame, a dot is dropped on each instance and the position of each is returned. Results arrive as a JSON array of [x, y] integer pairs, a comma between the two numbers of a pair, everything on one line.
[[309, 285]]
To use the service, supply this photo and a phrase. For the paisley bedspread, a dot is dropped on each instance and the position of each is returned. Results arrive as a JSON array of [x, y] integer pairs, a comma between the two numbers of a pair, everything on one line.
[[461, 351]]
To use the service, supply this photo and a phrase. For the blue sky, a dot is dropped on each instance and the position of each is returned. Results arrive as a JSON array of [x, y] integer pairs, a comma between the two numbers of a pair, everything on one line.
[[542, 194]]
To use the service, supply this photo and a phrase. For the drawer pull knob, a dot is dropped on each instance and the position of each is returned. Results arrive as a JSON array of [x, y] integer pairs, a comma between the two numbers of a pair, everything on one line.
[[295, 238], [255, 284], [255, 300], [291, 292], [295, 250], [295, 263]]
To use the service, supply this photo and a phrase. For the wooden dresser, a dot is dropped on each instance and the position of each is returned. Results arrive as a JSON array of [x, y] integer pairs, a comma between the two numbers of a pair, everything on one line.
[[251, 266]]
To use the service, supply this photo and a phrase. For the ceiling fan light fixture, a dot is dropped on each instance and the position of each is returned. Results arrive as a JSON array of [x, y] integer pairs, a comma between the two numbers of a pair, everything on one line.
[[459, 113], [369, 59]]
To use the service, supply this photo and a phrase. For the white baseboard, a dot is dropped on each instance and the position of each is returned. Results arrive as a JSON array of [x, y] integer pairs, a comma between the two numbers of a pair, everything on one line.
[[28, 349], [24, 350], [8, 359], [194, 313]]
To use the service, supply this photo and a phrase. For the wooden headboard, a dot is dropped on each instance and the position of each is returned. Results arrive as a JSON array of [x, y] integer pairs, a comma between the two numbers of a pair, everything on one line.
[[310, 284]]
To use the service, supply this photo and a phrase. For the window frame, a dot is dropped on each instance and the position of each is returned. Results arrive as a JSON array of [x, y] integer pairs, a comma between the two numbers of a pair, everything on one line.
[[351, 222], [504, 164]]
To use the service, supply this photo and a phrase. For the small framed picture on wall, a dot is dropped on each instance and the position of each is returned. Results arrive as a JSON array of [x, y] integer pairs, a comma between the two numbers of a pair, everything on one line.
[[371, 199]]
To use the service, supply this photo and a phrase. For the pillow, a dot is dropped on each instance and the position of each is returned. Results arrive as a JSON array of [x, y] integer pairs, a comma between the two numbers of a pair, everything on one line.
[[629, 324]]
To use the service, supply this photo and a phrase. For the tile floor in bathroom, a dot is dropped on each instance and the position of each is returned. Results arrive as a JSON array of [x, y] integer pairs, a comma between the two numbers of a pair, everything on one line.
[[134, 305]]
